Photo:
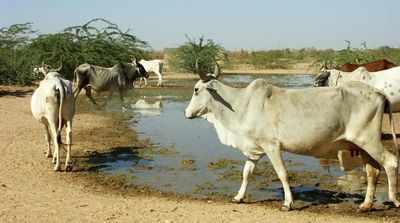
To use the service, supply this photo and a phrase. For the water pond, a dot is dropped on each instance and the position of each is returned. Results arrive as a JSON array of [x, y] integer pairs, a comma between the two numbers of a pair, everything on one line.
[[187, 158]]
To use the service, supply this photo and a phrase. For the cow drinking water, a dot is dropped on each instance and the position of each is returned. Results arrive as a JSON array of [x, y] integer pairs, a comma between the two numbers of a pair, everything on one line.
[[120, 77]]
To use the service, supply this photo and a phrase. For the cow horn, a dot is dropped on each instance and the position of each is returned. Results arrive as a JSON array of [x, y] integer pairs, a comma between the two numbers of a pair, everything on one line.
[[196, 66], [217, 69], [203, 76], [59, 68]]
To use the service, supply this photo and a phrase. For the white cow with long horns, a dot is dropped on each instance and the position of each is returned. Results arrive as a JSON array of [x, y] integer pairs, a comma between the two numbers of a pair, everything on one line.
[[263, 119]]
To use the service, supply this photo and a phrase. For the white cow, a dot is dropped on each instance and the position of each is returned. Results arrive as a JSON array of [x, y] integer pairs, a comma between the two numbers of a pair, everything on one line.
[[53, 105], [388, 81], [153, 66], [263, 119]]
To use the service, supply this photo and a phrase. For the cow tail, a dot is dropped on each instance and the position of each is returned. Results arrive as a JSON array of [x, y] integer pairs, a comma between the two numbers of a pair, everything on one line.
[[396, 147], [60, 109], [75, 82]]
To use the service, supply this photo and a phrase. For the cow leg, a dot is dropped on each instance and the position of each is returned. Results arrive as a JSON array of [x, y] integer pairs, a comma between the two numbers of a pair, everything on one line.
[[88, 92], [372, 169], [145, 81], [121, 95], [247, 170], [274, 154], [389, 163], [340, 159], [48, 139], [76, 92], [159, 78], [56, 154], [68, 163]]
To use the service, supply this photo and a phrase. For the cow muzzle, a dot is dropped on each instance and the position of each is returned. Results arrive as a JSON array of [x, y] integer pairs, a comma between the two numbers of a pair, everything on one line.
[[189, 115]]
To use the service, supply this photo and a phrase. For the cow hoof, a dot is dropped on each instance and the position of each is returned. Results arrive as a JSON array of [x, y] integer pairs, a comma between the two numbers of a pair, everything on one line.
[[364, 208], [49, 155], [57, 168], [237, 201], [285, 208], [68, 168]]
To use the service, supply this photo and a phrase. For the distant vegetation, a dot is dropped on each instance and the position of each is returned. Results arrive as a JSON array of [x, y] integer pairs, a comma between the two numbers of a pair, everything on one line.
[[287, 58], [103, 43]]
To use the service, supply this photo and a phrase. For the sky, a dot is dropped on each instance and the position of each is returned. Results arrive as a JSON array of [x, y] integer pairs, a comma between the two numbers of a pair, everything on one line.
[[250, 24]]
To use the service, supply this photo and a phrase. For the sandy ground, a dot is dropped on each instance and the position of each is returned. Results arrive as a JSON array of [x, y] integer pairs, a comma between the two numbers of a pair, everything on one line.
[[31, 192]]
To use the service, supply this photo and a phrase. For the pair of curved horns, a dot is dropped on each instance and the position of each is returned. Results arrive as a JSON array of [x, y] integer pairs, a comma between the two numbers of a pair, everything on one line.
[[50, 69], [206, 76]]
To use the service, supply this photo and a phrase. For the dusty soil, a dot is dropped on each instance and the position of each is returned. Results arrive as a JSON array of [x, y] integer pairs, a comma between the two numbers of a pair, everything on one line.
[[30, 191]]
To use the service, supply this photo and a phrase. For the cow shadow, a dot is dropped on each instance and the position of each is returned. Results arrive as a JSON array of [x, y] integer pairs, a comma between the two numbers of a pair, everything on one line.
[[308, 197], [115, 159], [15, 93]]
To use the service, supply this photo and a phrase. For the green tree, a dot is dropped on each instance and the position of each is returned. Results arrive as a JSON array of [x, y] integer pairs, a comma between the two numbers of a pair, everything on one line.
[[98, 42], [15, 65], [207, 52]]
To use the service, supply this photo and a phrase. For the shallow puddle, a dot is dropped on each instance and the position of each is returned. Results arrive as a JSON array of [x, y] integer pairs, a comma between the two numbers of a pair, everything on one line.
[[187, 158]]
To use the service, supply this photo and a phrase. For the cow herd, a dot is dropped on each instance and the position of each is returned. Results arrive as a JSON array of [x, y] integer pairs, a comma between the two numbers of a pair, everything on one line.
[[344, 111]]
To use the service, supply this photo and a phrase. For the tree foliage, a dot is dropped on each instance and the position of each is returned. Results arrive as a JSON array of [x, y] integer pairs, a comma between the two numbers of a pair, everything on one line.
[[206, 51], [97, 42]]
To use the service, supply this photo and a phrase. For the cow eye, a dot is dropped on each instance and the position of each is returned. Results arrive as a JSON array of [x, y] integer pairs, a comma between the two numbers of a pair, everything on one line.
[[196, 90]]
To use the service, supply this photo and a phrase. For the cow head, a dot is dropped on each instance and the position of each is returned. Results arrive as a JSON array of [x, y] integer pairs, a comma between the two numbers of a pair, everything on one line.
[[201, 99], [205, 91], [129, 73], [204, 95]]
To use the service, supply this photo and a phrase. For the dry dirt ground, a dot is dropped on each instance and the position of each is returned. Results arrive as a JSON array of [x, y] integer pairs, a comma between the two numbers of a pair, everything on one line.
[[31, 192]]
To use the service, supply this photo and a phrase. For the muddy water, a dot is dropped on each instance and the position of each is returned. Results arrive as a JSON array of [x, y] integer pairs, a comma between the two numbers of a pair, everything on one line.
[[186, 157]]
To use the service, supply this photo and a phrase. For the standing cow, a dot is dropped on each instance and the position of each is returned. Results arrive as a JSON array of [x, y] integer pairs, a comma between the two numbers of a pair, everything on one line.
[[52, 104], [119, 77], [153, 66], [264, 119]]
